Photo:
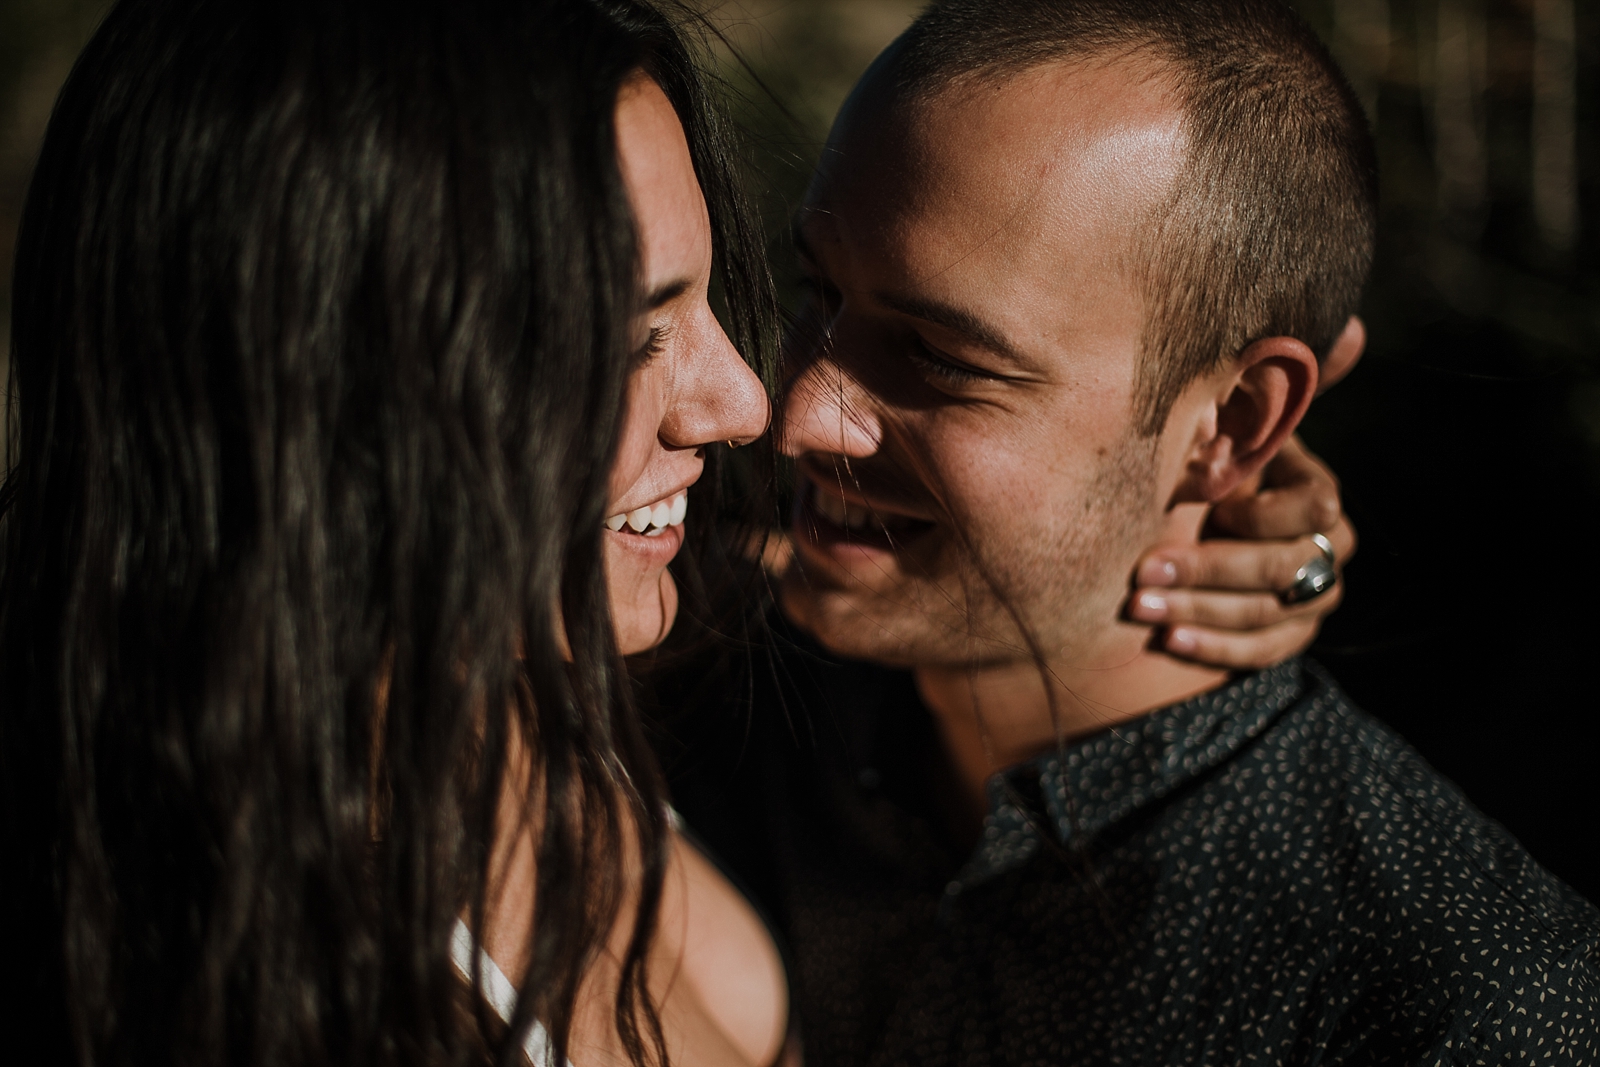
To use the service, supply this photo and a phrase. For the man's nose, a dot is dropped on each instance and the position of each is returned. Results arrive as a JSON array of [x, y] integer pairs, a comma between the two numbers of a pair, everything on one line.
[[826, 409], [721, 399]]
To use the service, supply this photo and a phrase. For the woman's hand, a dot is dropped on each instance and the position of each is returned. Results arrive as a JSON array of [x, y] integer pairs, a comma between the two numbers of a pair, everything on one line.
[[1218, 602]]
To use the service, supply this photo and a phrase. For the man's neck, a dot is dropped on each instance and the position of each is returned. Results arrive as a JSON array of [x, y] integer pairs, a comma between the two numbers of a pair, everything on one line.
[[996, 716], [991, 718]]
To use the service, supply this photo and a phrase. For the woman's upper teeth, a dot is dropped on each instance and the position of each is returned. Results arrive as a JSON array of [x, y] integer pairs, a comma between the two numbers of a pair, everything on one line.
[[652, 518]]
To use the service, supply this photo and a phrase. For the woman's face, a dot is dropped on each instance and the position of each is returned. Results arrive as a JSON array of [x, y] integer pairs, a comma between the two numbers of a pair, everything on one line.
[[690, 388]]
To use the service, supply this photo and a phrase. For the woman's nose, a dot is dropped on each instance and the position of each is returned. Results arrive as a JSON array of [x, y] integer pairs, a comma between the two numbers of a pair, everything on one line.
[[720, 398], [826, 409]]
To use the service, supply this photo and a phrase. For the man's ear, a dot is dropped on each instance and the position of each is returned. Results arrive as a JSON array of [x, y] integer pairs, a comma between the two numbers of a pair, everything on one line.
[[1344, 355], [1253, 408]]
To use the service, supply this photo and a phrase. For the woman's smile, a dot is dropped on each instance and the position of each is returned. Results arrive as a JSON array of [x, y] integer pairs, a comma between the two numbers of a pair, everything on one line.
[[653, 532], [651, 520], [690, 388]]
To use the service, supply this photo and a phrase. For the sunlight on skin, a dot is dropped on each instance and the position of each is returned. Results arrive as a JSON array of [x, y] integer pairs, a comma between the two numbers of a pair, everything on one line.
[[713, 972]]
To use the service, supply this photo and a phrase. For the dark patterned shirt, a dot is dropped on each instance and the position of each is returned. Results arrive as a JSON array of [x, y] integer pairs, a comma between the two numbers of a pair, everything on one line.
[[1260, 875]]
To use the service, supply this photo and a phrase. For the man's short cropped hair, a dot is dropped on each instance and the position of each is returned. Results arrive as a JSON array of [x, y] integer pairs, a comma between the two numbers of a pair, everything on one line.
[[1269, 229]]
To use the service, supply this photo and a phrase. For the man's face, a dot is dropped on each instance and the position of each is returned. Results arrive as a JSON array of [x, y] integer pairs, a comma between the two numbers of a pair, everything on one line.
[[964, 411]]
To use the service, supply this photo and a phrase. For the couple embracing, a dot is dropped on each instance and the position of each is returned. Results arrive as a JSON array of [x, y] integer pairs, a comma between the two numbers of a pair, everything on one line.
[[368, 384]]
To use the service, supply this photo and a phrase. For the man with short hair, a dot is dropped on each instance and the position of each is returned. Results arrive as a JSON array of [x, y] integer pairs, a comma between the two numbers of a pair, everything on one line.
[[1079, 266]]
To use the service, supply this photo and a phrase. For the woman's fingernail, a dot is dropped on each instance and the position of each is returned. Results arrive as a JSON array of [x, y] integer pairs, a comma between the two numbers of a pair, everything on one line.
[[1150, 607], [1158, 571], [1181, 640]]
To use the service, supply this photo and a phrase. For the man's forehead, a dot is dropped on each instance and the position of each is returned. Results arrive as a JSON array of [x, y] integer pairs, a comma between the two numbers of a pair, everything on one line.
[[1017, 203], [1091, 139]]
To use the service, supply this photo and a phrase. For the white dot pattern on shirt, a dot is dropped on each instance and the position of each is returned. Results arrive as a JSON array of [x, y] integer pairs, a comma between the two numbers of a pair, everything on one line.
[[1295, 883]]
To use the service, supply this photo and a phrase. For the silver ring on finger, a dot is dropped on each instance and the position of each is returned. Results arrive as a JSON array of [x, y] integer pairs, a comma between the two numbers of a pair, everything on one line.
[[1315, 577], [1327, 548]]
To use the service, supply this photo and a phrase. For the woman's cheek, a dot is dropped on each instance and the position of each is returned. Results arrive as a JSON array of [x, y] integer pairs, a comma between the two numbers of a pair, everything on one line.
[[642, 412]]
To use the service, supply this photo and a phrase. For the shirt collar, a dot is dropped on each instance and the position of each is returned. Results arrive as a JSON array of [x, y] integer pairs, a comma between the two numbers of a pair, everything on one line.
[[1101, 780]]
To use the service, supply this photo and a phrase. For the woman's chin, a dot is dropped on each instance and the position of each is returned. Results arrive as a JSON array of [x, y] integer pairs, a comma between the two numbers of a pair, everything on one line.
[[646, 619]]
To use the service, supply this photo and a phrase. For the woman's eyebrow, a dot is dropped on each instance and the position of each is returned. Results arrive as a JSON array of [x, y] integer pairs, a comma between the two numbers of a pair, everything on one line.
[[665, 293]]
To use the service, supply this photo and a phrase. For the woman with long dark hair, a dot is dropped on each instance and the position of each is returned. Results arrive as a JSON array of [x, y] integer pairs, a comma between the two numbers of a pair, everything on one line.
[[363, 362], [325, 320]]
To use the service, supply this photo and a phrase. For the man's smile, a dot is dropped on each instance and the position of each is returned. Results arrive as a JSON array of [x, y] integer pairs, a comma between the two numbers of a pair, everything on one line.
[[832, 516]]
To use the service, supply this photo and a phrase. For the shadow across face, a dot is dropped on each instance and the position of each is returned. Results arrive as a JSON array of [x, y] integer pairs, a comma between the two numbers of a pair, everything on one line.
[[963, 412]]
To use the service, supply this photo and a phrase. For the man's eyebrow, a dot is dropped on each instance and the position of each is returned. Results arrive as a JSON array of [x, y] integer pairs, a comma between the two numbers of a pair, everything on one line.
[[957, 320], [665, 293]]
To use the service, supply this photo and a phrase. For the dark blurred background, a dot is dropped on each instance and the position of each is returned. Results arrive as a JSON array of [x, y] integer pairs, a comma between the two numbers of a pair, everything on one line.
[[1468, 440]]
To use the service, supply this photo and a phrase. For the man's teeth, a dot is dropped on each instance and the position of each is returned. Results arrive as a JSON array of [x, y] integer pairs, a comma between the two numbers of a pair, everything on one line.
[[652, 519], [840, 513]]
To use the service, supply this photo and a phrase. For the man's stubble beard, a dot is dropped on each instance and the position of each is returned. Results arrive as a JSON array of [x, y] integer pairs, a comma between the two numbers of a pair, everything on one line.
[[990, 598]]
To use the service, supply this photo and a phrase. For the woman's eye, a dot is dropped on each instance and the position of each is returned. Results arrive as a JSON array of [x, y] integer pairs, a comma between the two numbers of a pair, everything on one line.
[[940, 368], [652, 346]]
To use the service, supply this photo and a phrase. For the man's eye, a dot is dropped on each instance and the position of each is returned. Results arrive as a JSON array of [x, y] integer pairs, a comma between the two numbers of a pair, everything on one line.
[[940, 368]]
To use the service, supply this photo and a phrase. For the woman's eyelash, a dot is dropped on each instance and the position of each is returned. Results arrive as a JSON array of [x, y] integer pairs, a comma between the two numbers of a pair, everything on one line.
[[935, 366], [653, 344]]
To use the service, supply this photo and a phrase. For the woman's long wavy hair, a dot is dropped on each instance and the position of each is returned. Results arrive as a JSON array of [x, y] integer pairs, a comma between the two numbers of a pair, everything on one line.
[[322, 324]]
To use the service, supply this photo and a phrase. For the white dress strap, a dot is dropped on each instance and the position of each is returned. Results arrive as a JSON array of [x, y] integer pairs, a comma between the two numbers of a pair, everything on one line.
[[500, 993]]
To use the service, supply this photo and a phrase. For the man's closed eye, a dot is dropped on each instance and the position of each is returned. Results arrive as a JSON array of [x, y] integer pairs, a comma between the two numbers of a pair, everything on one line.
[[941, 369]]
